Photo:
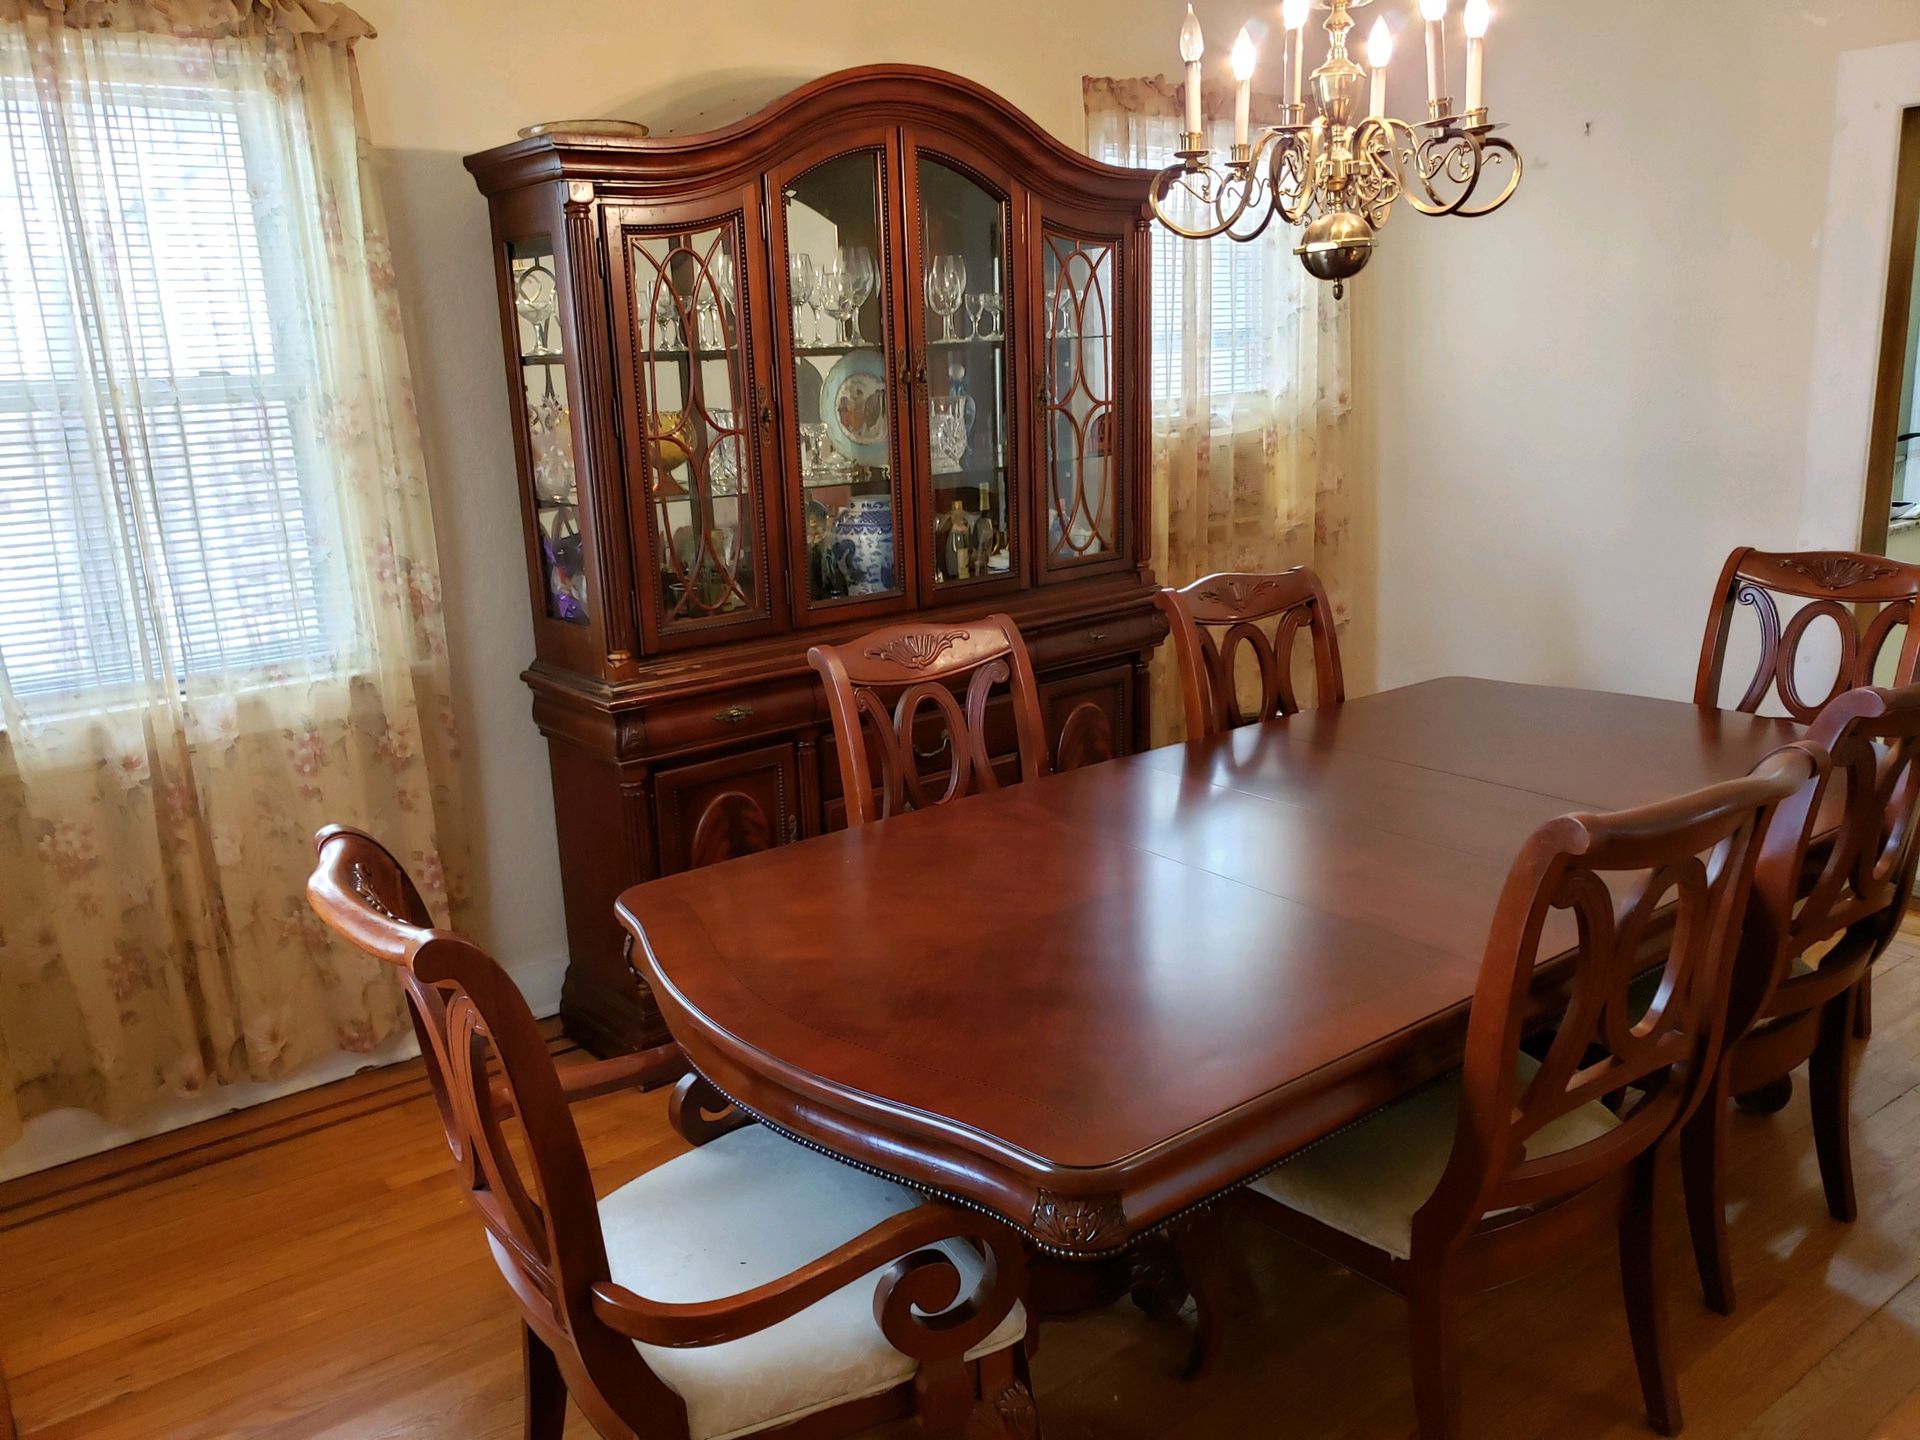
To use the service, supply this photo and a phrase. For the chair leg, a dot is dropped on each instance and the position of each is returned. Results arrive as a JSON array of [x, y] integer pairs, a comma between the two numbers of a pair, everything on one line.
[[1703, 1163], [1644, 1283], [546, 1390], [1863, 1007], [1433, 1321], [1830, 1089]]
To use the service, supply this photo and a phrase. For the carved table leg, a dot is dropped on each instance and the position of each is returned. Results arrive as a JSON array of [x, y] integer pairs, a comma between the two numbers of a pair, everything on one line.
[[1767, 1099], [1212, 1272], [1159, 1287], [701, 1113]]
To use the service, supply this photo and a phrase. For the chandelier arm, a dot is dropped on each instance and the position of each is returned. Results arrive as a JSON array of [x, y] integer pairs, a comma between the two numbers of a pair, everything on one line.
[[1443, 154], [1164, 182], [1295, 158], [1499, 147]]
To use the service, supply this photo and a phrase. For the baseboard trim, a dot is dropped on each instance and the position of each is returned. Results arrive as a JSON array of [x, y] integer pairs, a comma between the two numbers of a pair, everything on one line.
[[224, 1137]]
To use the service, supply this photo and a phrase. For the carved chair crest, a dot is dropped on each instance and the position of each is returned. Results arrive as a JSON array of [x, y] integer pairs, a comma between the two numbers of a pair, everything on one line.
[[1217, 618], [1863, 600], [916, 700]]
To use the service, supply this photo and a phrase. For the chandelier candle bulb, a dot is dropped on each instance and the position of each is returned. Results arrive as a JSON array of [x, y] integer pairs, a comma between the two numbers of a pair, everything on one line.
[[1479, 14], [1242, 61], [1434, 12], [1192, 47], [1379, 54], [1293, 15]]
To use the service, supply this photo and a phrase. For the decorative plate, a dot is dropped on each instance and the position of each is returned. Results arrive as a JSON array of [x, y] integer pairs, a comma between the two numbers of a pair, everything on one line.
[[853, 406], [587, 129]]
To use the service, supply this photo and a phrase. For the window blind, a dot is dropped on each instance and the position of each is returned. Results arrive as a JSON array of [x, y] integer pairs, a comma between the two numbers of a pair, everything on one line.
[[152, 510]]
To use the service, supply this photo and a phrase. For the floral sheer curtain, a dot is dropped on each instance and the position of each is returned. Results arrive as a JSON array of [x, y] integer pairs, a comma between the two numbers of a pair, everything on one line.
[[1250, 384], [219, 606]]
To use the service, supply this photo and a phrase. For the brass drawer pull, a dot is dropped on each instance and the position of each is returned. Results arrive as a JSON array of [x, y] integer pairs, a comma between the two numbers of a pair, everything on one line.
[[1094, 637], [734, 714], [946, 742]]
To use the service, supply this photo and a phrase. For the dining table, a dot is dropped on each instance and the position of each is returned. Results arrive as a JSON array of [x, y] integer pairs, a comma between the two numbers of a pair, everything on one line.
[[1094, 1002]]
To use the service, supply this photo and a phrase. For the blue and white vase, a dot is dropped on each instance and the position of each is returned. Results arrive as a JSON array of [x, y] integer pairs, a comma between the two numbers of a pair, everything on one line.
[[866, 524]]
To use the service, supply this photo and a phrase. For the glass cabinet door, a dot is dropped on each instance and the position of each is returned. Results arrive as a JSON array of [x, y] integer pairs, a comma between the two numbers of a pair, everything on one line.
[[535, 291], [700, 425], [963, 302], [1078, 419], [835, 253]]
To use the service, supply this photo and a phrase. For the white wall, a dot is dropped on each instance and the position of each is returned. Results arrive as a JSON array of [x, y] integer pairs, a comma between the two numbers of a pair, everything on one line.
[[1580, 405]]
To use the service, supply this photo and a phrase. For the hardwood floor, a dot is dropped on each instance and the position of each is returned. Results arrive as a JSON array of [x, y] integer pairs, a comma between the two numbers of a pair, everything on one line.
[[329, 1283]]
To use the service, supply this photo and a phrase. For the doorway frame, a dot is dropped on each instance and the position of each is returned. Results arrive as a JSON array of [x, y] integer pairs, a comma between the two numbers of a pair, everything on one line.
[[1895, 340]]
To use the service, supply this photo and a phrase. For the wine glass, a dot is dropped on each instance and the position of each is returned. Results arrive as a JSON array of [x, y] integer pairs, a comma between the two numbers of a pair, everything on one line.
[[991, 308], [976, 312], [834, 292], [800, 291], [1065, 329], [666, 320], [863, 277], [946, 285]]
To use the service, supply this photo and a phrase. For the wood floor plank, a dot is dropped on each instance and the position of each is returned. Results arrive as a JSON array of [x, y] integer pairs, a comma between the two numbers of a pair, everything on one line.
[[327, 1283]]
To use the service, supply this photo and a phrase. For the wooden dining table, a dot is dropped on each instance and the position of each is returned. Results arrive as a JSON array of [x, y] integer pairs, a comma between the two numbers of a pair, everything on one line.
[[1093, 1002]]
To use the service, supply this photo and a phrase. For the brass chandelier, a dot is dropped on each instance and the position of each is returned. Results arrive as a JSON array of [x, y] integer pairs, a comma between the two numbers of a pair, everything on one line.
[[1339, 175]]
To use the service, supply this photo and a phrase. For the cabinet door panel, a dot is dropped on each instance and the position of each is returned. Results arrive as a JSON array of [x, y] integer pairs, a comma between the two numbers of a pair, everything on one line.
[[1089, 341], [836, 252], [715, 810], [689, 291], [963, 327], [1089, 717]]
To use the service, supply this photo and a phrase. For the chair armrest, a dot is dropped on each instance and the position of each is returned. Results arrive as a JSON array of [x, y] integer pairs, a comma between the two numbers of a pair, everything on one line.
[[917, 1304], [588, 1078]]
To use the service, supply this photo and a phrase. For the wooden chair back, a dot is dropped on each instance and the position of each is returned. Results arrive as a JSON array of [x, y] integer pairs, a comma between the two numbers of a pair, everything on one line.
[[1212, 619], [520, 1163], [1664, 884], [1865, 597], [1861, 878], [892, 676]]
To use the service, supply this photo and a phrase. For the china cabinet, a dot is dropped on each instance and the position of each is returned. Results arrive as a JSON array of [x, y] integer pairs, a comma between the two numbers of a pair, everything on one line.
[[877, 350]]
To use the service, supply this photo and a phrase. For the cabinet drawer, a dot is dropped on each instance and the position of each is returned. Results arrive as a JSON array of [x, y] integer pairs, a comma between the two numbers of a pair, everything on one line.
[[1089, 717], [739, 804]]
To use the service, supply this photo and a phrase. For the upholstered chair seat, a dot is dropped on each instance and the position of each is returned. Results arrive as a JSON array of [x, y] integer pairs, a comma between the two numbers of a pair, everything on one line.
[[1367, 1181], [744, 1209]]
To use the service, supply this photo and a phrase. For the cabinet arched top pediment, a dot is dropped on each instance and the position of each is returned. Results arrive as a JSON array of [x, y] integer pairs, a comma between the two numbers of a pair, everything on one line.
[[851, 100]]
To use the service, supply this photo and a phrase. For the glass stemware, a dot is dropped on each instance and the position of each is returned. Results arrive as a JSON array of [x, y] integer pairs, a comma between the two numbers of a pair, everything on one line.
[[1065, 329], [946, 286], [666, 321], [863, 277], [834, 291], [992, 311], [800, 291], [976, 312]]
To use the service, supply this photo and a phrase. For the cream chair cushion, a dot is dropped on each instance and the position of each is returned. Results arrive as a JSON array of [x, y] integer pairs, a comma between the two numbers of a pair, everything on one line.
[[739, 1211], [1368, 1181]]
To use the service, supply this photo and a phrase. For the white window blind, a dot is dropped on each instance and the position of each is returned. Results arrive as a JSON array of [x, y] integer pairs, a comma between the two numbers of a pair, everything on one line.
[[153, 517], [1235, 275]]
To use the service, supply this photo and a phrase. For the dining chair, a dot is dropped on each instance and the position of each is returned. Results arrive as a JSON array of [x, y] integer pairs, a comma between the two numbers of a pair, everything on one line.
[[1236, 606], [1806, 955], [749, 1287], [918, 683], [1512, 1163], [1865, 598]]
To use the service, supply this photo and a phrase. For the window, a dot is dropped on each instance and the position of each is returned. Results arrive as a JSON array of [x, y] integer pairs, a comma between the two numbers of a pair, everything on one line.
[[1234, 281], [156, 469], [1233, 277]]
